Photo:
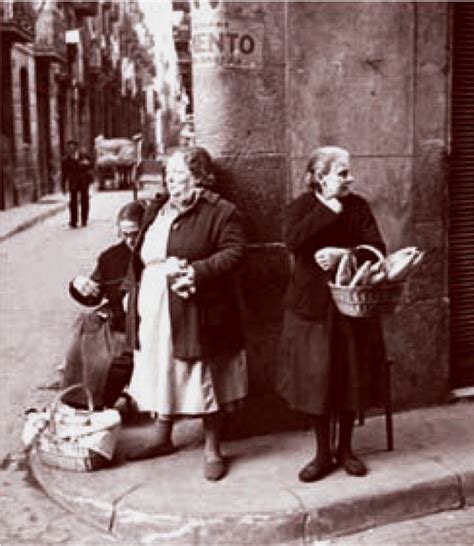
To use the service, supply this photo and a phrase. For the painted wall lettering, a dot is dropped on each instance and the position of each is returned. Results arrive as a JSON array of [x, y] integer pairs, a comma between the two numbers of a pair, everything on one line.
[[227, 43]]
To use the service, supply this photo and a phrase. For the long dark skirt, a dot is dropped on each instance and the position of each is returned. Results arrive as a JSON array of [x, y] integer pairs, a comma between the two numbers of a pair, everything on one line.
[[332, 365]]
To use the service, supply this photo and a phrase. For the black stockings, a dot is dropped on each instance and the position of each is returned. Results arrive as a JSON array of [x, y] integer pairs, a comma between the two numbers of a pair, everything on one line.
[[346, 427], [322, 434], [321, 426]]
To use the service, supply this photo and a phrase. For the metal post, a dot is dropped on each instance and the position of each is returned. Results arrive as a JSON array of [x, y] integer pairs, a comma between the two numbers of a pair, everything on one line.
[[138, 159]]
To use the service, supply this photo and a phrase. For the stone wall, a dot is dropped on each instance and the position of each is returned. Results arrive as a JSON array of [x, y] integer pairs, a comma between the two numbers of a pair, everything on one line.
[[371, 77]]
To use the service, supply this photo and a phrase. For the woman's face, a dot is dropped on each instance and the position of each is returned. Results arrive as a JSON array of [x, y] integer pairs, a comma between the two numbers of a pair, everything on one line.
[[179, 179], [337, 182], [128, 230]]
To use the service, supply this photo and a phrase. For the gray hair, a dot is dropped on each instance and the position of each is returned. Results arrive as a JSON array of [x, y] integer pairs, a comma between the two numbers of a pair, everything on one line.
[[200, 165], [320, 162]]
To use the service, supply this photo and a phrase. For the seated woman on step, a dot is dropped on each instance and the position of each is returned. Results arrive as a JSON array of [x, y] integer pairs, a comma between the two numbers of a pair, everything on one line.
[[100, 336], [104, 284]]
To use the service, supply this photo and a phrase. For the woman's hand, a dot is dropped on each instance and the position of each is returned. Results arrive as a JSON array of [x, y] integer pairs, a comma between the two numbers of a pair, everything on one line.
[[181, 276], [86, 286], [328, 257], [183, 285], [175, 267]]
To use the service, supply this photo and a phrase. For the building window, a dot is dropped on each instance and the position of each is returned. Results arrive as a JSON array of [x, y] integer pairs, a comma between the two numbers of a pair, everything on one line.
[[25, 105]]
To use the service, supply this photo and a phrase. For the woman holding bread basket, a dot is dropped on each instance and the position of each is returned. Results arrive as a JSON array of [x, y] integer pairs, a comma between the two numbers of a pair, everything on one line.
[[332, 363]]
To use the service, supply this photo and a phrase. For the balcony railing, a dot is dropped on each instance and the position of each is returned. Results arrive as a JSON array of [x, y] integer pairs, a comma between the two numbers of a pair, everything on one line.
[[17, 21], [50, 35], [180, 5], [86, 9], [114, 13]]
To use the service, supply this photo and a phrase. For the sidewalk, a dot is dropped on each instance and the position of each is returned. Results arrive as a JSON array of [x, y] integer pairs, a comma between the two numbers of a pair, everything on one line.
[[167, 501], [19, 218]]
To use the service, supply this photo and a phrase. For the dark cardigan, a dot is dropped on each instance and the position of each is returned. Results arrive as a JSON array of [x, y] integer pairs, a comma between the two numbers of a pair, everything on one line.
[[111, 269], [310, 226], [209, 236], [330, 362]]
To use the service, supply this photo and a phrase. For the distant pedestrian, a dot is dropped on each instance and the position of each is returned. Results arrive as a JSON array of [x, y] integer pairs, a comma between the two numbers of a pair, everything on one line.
[[76, 177]]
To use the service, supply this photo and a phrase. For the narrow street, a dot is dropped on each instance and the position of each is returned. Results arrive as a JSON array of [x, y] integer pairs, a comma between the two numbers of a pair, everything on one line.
[[36, 314]]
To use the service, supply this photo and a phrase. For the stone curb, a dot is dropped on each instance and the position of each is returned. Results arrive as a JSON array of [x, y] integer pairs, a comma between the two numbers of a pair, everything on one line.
[[95, 513], [314, 521], [32, 221]]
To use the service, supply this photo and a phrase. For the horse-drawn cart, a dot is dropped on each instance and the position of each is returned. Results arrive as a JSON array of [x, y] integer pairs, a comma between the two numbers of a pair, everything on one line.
[[116, 162]]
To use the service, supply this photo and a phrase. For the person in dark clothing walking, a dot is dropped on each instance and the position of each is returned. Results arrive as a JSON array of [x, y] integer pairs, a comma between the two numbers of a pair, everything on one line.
[[76, 176], [331, 363]]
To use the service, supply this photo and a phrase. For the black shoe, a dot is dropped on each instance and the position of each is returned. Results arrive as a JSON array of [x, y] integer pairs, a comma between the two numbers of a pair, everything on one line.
[[352, 464], [215, 470], [315, 470], [73, 225]]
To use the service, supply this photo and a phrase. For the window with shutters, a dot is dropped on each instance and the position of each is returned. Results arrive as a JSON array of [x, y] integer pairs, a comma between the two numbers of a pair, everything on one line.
[[461, 197], [25, 105]]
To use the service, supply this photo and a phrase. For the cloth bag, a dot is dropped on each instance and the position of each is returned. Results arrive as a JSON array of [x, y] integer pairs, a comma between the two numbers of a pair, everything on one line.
[[88, 360]]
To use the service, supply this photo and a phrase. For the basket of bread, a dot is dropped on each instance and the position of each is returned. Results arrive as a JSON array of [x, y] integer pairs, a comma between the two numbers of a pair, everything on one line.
[[375, 286]]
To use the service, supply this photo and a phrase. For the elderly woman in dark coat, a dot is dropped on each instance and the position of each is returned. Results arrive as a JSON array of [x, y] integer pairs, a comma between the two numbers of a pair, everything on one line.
[[330, 360], [189, 359]]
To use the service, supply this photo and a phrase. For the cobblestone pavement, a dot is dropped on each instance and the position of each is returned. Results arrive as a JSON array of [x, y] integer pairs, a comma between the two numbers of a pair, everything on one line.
[[455, 528], [36, 314]]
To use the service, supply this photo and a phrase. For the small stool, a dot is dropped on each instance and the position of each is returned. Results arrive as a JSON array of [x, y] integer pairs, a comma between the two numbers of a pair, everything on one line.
[[387, 388]]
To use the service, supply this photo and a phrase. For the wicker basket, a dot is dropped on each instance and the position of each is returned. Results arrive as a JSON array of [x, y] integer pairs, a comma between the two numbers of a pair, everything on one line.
[[81, 460], [65, 451], [367, 301]]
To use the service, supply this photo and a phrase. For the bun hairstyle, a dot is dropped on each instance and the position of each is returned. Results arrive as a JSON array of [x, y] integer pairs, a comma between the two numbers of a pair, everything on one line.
[[199, 163], [319, 164], [133, 212]]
